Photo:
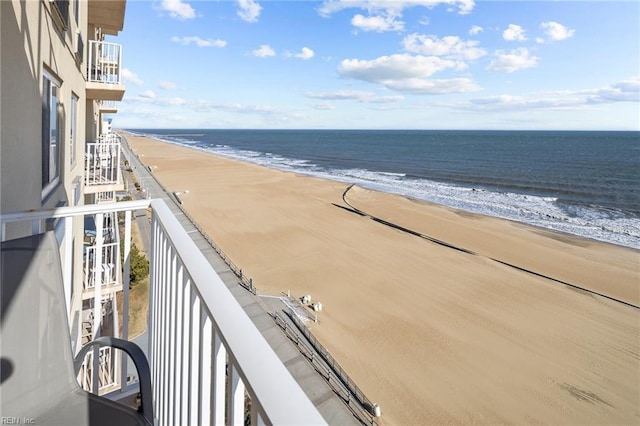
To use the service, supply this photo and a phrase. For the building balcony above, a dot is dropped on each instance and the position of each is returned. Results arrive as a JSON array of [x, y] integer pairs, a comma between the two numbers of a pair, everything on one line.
[[102, 165], [107, 15], [104, 71]]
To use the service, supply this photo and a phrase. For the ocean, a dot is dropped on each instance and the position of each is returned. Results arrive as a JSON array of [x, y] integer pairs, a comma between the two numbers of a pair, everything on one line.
[[578, 182]]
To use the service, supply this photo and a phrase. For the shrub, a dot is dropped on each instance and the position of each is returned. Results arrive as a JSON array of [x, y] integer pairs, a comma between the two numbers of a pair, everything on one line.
[[139, 266]]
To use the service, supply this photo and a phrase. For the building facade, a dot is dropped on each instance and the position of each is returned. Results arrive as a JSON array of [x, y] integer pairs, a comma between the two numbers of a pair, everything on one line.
[[60, 77]]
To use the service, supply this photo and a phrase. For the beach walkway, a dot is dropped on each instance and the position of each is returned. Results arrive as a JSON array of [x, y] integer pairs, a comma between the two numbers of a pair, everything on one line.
[[326, 400]]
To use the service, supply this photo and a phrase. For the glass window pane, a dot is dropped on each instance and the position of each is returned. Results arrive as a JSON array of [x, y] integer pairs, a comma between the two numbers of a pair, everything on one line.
[[53, 141]]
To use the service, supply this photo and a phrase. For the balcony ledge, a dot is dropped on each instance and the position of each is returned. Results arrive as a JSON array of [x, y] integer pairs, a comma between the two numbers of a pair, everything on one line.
[[93, 188], [105, 91], [108, 109], [108, 15]]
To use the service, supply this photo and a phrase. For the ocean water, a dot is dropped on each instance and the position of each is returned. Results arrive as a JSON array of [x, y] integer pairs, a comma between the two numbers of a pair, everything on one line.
[[582, 183]]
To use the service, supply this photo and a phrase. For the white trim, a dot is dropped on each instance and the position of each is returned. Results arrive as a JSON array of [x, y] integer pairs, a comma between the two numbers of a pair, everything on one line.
[[47, 190], [51, 76]]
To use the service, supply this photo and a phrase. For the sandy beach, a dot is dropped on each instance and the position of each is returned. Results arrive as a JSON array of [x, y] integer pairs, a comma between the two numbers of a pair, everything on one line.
[[433, 334]]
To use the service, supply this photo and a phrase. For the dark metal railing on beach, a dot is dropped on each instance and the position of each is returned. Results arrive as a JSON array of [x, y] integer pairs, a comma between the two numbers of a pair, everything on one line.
[[245, 281], [335, 376]]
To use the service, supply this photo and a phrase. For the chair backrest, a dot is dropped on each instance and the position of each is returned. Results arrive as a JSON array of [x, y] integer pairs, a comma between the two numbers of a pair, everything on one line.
[[37, 364]]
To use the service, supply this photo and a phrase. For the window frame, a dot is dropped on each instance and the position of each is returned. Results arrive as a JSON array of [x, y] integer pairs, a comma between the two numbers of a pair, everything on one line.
[[50, 91], [73, 126]]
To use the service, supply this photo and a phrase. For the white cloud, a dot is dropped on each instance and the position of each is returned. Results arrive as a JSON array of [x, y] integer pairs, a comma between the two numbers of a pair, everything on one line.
[[513, 61], [476, 29], [177, 9], [264, 51], [205, 106], [200, 42], [394, 67], [419, 86], [509, 103], [451, 47], [333, 6], [556, 31], [305, 53], [131, 77], [514, 33], [341, 95], [380, 23], [148, 94], [324, 106], [249, 10], [175, 101], [353, 95], [407, 73], [386, 99], [167, 85], [576, 100], [624, 91]]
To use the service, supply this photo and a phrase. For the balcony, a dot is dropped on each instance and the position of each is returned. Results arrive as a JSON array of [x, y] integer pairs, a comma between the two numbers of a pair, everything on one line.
[[108, 107], [101, 256], [104, 71], [106, 366], [102, 158], [209, 363]]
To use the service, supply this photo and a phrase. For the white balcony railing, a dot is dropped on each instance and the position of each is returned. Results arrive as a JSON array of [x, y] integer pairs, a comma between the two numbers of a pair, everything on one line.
[[106, 367], [198, 333], [106, 104], [104, 62], [106, 267], [101, 161], [106, 197]]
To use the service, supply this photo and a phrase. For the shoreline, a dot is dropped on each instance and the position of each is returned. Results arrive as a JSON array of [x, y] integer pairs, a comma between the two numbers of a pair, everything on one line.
[[433, 335], [565, 226]]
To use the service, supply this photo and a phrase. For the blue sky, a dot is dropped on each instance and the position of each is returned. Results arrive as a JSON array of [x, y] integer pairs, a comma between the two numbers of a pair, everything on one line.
[[378, 64]]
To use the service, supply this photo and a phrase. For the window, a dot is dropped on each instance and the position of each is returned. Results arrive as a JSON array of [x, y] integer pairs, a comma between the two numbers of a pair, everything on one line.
[[50, 134], [72, 137], [61, 12]]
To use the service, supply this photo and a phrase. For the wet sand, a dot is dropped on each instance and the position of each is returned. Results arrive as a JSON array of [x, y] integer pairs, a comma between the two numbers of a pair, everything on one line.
[[433, 334]]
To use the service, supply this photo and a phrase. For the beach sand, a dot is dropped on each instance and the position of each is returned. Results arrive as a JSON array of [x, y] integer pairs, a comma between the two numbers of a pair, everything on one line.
[[433, 334]]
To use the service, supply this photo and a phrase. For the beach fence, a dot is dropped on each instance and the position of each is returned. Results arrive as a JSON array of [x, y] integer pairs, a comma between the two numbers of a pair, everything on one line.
[[245, 281], [328, 367]]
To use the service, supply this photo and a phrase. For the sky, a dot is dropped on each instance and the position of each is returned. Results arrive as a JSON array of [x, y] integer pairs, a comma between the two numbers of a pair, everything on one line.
[[380, 64]]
